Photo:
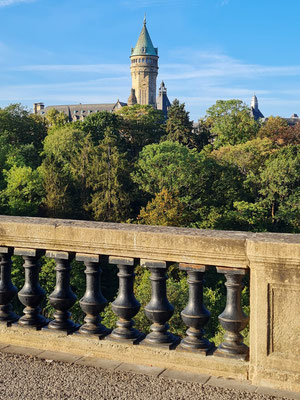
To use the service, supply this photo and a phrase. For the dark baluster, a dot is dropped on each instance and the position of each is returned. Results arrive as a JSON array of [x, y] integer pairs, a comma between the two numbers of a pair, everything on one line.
[[195, 315], [31, 295], [93, 302], [7, 289], [126, 305], [159, 310], [62, 298], [233, 319]]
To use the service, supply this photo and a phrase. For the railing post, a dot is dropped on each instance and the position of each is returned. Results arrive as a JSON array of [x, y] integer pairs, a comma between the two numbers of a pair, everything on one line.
[[159, 310], [125, 305], [93, 302], [31, 294], [233, 319], [195, 315], [7, 289], [62, 298]]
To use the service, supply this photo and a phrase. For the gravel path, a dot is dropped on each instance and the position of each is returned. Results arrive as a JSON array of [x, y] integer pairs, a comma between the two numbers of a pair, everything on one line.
[[29, 378]]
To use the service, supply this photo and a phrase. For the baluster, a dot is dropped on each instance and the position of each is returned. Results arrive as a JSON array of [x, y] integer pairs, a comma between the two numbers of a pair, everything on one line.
[[159, 310], [62, 298], [126, 305], [31, 295], [93, 302], [7, 289], [195, 315], [233, 319]]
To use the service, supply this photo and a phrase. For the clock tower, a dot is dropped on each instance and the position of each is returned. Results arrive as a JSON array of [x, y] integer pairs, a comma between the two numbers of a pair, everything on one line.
[[144, 69]]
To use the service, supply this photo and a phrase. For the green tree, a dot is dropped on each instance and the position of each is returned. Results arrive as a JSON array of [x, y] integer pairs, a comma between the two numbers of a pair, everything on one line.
[[67, 152], [276, 207], [231, 122], [249, 158], [167, 165], [22, 134], [108, 179], [141, 125], [56, 118], [96, 124], [23, 192], [165, 209], [179, 128]]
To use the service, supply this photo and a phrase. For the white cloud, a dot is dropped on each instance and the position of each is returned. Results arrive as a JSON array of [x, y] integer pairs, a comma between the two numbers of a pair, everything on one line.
[[6, 3], [197, 78], [85, 68]]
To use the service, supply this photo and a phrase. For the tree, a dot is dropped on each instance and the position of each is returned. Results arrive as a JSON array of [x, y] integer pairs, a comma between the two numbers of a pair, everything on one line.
[[167, 165], [165, 209], [56, 118], [249, 158], [108, 178], [272, 128], [231, 123], [23, 192], [22, 134], [179, 128], [96, 124], [141, 125], [64, 171], [276, 207]]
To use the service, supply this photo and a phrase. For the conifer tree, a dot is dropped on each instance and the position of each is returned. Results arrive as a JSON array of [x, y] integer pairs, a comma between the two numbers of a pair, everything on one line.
[[108, 179], [179, 128]]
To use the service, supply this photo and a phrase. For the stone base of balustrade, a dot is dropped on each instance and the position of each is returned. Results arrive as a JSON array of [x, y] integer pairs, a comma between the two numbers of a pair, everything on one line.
[[100, 336], [117, 339], [205, 352], [123, 352], [174, 342], [64, 332]]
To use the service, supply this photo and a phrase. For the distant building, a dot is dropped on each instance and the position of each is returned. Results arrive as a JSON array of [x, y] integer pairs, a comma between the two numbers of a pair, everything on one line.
[[292, 120], [256, 114], [78, 112], [144, 71]]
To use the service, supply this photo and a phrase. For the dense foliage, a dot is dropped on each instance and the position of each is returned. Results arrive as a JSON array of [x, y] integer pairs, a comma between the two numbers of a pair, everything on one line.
[[229, 172]]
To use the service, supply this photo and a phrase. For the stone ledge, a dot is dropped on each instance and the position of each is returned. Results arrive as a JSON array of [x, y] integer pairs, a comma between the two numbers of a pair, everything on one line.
[[193, 246], [83, 346], [244, 386]]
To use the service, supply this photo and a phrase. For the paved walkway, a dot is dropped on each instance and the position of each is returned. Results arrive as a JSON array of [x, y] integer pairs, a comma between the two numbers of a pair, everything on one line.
[[25, 377]]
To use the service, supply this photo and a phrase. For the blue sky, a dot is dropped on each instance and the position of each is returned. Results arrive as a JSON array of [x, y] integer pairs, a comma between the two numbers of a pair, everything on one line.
[[72, 51]]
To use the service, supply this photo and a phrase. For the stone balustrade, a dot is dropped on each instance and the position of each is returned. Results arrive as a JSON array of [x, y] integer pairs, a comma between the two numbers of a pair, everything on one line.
[[273, 261]]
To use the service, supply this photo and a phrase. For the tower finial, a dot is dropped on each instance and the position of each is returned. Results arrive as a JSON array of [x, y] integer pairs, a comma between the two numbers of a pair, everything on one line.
[[145, 21]]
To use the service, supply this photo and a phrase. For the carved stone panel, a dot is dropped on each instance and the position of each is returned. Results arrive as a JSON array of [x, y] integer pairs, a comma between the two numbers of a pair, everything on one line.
[[284, 324]]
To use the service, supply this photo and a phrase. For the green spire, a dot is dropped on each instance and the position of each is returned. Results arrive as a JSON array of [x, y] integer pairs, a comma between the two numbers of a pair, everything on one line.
[[144, 46]]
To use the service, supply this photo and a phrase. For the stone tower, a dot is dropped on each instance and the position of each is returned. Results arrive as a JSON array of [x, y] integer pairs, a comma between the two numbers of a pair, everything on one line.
[[162, 101], [255, 111], [144, 68]]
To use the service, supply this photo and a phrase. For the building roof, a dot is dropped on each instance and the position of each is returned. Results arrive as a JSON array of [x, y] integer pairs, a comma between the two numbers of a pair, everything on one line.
[[75, 111], [162, 101], [144, 46]]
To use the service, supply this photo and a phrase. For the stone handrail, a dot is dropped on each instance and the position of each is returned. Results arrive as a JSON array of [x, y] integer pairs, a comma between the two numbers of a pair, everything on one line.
[[272, 259]]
